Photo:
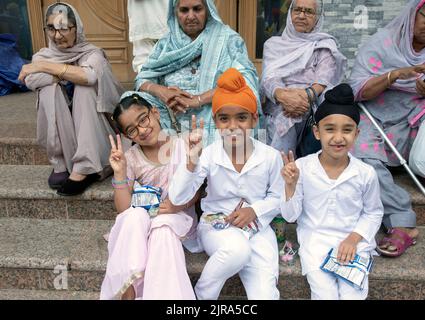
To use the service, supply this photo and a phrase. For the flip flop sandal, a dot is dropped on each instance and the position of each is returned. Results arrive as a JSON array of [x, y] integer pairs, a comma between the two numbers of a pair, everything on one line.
[[401, 243]]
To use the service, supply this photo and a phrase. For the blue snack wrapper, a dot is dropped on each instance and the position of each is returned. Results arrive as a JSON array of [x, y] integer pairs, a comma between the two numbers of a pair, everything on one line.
[[146, 197], [354, 273]]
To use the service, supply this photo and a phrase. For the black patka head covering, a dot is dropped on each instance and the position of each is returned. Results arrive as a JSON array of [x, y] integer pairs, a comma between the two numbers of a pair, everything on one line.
[[339, 100]]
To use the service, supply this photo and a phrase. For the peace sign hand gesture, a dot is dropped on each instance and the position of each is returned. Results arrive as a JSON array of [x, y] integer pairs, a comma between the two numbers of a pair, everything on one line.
[[290, 173], [117, 158], [195, 144]]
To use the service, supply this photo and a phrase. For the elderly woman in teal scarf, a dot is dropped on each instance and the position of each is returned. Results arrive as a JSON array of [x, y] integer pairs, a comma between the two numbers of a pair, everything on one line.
[[181, 73]]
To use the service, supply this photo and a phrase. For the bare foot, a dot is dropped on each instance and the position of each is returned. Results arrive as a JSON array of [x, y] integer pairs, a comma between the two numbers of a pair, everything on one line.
[[130, 294], [412, 232], [77, 177]]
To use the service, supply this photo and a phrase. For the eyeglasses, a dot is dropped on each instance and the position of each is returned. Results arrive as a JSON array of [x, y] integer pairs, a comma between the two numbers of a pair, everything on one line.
[[143, 123], [309, 12], [51, 31]]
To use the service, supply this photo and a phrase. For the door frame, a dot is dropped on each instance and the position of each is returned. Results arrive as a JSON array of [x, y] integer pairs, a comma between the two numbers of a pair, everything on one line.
[[247, 28], [232, 12], [228, 10], [36, 20], [118, 49]]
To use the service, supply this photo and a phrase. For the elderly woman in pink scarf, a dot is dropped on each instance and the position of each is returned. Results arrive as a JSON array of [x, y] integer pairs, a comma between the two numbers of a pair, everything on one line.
[[388, 77], [76, 89], [298, 67]]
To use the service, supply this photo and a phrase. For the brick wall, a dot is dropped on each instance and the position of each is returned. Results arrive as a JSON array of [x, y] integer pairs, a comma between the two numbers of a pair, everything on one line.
[[340, 18]]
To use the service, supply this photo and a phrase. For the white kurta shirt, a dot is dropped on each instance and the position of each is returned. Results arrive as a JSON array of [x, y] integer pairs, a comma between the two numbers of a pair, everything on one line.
[[259, 183], [327, 210], [147, 19]]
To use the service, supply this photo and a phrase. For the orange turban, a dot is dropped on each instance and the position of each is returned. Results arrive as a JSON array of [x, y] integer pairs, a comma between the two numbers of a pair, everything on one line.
[[232, 90]]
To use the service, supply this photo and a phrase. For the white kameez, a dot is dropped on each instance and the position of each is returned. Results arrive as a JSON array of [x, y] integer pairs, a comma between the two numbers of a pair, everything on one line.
[[230, 250], [147, 24], [327, 210]]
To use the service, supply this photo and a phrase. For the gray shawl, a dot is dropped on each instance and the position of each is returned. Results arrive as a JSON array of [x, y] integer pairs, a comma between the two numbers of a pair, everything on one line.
[[108, 88]]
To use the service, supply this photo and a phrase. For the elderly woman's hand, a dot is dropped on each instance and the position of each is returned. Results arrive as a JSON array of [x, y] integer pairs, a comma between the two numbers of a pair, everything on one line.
[[408, 72], [28, 69], [411, 72], [168, 94], [377, 85], [181, 104], [294, 102]]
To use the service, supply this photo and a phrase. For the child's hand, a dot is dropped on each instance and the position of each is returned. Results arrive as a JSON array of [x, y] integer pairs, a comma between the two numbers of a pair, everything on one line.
[[290, 172], [195, 143], [348, 248], [166, 207], [242, 217], [117, 158]]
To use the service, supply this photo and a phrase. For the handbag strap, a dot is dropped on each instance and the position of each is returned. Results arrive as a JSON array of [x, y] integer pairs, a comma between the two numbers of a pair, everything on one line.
[[312, 97], [311, 100], [309, 96], [316, 96]]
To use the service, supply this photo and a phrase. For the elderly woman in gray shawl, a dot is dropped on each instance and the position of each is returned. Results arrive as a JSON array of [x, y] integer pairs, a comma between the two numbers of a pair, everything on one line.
[[388, 77], [298, 67], [76, 89]]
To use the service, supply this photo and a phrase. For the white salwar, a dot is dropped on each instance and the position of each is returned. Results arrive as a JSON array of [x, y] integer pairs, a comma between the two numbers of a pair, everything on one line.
[[230, 250], [327, 211]]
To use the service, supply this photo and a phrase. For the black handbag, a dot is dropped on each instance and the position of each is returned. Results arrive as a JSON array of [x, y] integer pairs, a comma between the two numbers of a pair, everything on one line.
[[307, 143]]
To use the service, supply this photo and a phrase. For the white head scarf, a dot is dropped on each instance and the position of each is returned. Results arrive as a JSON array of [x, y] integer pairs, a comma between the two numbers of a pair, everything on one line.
[[62, 20], [288, 54]]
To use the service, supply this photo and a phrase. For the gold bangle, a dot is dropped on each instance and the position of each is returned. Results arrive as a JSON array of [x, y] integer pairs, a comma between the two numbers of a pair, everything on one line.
[[199, 100], [389, 79], [65, 69]]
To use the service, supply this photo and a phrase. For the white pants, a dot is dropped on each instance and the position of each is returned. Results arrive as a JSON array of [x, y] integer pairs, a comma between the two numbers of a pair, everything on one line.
[[231, 252], [325, 286], [141, 51]]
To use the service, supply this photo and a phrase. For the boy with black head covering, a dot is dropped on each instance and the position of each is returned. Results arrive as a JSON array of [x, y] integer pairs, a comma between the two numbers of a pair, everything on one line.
[[334, 197]]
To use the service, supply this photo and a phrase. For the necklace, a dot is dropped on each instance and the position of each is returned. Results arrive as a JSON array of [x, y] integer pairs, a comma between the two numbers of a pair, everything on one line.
[[195, 65]]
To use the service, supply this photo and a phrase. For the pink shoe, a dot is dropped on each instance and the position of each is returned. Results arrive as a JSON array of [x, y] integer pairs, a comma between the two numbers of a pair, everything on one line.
[[401, 242]]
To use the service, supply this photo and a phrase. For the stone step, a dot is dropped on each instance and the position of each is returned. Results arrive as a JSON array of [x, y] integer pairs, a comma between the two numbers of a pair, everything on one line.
[[21, 151], [18, 147], [16, 294], [25, 193], [37, 254], [18, 127]]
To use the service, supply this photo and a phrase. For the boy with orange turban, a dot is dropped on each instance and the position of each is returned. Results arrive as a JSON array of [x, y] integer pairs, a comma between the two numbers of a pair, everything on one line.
[[243, 192]]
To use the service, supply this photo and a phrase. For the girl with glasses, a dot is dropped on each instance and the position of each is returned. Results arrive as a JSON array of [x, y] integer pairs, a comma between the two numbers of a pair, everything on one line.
[[146, 257]]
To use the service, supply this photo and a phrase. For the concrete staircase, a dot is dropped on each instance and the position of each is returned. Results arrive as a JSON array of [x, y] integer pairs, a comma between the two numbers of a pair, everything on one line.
[[53, 247]]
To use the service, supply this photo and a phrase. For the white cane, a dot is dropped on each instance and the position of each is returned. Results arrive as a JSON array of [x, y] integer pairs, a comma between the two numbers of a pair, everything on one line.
[[403, 162]]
